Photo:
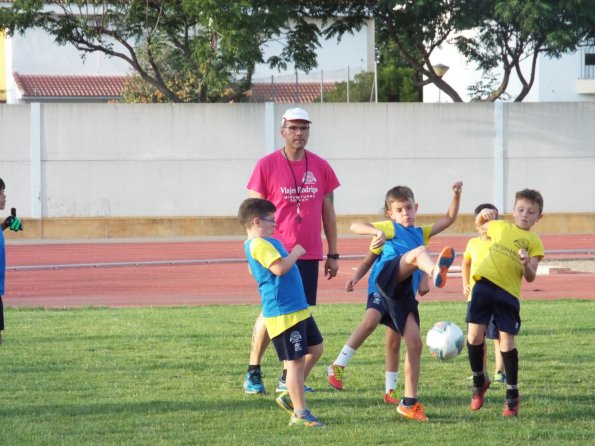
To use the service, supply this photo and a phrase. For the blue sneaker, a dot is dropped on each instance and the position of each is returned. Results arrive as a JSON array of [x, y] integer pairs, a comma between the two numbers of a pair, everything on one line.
[[253, 383], [308, 420], [282, 387]]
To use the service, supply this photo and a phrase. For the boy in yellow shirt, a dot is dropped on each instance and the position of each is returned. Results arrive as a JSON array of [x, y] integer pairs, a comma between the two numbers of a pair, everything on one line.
[[477, 249], [515, 252]]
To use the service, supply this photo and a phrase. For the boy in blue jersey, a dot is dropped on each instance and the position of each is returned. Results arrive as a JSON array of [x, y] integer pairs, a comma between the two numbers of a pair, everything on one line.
[[397, 275], [514, 253], [290, 325], [14, 224]]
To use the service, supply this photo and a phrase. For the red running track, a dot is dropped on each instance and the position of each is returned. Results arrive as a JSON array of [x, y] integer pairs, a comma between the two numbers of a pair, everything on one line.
[[220, 283]]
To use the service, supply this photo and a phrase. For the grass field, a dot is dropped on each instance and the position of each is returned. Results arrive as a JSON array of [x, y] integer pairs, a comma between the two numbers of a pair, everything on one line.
[[172, 376]]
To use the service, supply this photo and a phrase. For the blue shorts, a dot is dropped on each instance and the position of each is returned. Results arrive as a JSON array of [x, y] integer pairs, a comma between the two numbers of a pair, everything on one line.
[[309, 272], [375, 302], [489, 300], [398, 298], [293, 343], [492, 332]]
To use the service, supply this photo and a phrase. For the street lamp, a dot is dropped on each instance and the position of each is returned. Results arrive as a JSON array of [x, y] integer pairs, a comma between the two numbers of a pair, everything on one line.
[[440, 70]]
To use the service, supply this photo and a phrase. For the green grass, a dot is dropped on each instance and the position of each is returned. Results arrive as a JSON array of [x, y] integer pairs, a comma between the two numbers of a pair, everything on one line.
[[172, 376]]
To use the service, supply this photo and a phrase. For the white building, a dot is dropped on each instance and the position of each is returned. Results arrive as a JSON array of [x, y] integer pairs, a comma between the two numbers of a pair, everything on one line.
[[568, 79]]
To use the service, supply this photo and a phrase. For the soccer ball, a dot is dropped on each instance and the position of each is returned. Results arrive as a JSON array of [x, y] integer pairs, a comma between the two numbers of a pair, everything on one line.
[[445, 340]]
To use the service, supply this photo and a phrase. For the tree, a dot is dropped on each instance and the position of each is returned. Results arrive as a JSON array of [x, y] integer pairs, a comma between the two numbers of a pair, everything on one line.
[[497, 35], [188, 50]]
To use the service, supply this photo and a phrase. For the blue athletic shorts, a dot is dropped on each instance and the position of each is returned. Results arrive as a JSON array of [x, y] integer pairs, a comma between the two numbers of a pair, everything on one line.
[[489, 300], [398, 298], [492, 332], [293, 343], [309, 272], [375, 302]]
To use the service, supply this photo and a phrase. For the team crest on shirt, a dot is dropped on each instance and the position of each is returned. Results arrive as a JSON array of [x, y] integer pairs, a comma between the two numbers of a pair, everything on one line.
[[309, 178], [522, 243], [295, 338]]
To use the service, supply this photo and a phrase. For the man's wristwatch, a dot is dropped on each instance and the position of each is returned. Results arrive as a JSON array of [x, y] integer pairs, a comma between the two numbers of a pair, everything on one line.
[[334, 256]]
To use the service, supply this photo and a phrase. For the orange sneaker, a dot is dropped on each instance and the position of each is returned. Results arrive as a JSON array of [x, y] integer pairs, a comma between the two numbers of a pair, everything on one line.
[[335, 376], [445, 259], [391, 397], [415, 412]]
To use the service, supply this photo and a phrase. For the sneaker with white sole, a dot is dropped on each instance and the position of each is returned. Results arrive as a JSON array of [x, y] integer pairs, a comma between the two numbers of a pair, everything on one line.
[[282, 387], [253, 383]]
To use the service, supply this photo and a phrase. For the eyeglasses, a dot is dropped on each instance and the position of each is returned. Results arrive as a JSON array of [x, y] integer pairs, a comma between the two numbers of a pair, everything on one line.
[[270, 220], [295, 129]]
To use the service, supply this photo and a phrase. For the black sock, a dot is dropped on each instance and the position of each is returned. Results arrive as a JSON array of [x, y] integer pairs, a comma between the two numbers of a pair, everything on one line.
[[476, 362], [284, 375], [511, 365], [252, 368], [409, 401]]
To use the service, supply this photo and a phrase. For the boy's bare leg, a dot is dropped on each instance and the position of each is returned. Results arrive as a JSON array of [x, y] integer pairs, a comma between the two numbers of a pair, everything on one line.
[[295, 382], [412, 359], [498, 357], [364, 329], [417, 258], [260, 341], [393, 346], [314, 354]]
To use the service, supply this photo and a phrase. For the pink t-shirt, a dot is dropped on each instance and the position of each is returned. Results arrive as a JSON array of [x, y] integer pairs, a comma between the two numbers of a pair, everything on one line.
[[273, 179]]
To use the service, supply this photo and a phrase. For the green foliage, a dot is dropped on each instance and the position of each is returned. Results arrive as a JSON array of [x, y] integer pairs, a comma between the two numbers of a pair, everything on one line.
[[172, 376], [497, 35], [183, 50]]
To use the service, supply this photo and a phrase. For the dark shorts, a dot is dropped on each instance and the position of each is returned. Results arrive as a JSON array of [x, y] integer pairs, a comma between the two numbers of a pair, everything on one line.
[[293, 343], [375, 302], [398, 298], [1, 314], [492, 330], [309, 272], [489, 300]]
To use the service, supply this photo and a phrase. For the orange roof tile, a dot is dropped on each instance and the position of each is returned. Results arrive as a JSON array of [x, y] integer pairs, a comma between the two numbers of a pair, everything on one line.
[[56, 86], [288, 92]]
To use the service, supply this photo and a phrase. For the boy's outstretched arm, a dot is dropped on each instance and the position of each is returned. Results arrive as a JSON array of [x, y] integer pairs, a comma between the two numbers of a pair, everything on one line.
[[361, 270], [452, 212], [283, 265], [363, 228]]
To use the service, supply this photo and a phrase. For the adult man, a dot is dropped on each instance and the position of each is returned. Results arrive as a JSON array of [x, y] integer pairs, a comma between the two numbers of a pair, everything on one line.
[[300, 184]]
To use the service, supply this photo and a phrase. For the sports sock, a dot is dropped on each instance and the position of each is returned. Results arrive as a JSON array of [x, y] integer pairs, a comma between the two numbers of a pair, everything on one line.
[[476, 362], [284, 375], [345, 355], [511, 365], [253, 367], [390, 381], [408, 401]]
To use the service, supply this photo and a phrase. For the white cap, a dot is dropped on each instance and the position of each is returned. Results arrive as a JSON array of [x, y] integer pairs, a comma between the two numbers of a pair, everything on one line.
[[296, 114]]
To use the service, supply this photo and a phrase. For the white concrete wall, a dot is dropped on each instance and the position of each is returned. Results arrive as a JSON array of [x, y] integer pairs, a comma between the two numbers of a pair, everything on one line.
[[124, 160]]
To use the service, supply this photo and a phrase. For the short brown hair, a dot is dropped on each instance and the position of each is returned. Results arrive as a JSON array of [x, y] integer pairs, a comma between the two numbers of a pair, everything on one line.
[[531, 195], [398, 193], [252, 208]]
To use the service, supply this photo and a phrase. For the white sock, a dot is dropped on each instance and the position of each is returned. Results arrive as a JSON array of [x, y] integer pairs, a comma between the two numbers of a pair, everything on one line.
[[391, 380], [345, 355]]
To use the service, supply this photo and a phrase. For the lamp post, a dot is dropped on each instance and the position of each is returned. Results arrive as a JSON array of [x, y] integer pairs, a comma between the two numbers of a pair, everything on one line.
[[440, 70]]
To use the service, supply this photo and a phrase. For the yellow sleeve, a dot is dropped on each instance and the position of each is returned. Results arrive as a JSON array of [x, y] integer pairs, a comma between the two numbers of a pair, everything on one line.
[[264, 252], [388, 228]]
